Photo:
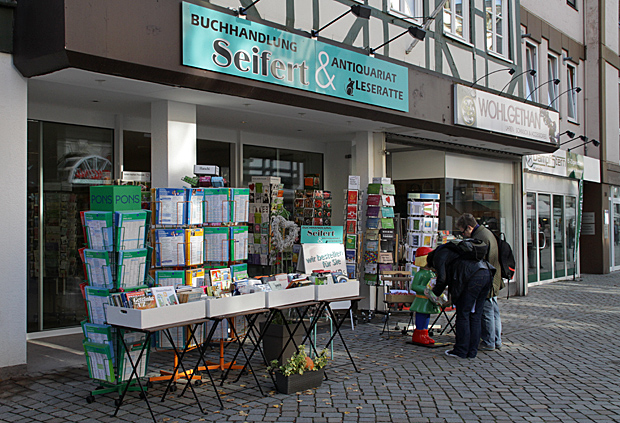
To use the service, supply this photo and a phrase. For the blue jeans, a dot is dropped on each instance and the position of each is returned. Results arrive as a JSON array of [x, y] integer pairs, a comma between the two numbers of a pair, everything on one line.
[[469, 314], [491, 324]]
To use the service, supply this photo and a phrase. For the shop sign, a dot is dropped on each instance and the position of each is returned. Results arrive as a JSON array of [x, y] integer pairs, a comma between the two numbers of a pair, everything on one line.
[[329, 257], [227, 44], [483, 110], [559, 163], [321, 234]]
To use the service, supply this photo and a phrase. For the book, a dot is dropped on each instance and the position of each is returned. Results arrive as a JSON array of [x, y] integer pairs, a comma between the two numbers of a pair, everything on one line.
[[372, 223], [351, 227], [132, 296], [387, 233], [374, 189], [195, 277], [131, 229], [132, 268], [239, 271], [350, 256], [96, 301], [170, 277], [372, 234], [169, 206], [354, 182], [372, 245], [352, 196], [373, 211], [387, 223], [165, 296], [216, 244], [370, 256], [220, 278], [238, 243], [99, 230], [169, 247], [351, 271], [389, 189], [350, 241], [217, 205], [388, 200], [385, 258], [240, 199], [144, 303], [195, 201], [194, 246], [98, 268], [100, 361], [387, 212]]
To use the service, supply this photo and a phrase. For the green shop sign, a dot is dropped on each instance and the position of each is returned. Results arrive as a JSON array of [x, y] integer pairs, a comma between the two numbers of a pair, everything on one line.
[[321, 235], [227, 44]]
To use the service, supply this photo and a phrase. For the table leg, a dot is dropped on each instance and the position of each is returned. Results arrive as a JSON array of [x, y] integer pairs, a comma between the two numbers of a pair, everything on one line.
[[247, 361], [337, 331], [260, 338]]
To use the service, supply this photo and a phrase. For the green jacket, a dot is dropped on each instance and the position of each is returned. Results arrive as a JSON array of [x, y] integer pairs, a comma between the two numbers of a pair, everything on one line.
[[485, 235], [422, 304]]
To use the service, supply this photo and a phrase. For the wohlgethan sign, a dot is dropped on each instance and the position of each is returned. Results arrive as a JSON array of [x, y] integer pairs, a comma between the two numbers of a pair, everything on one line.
[[227, 44], [483, 110]]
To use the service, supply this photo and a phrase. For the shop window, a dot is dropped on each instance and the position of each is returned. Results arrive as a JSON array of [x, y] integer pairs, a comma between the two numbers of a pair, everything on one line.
[[552, 73], [497, 26], [72, 159], [136, 151], [456, 18], [215, 153], [571, 73], [289, 165], [531, 63]]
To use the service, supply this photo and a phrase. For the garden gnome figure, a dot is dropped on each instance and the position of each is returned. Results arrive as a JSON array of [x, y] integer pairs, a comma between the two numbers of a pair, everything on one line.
[[422, 306]]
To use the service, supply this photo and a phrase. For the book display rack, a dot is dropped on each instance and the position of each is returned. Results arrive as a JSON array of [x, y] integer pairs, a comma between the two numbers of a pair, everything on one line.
[[422, 225], [116, 262], [353, 234]]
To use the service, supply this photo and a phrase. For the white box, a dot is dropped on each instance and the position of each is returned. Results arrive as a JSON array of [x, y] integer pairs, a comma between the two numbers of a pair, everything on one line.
[[153, 317], [378, 180], [337, 290], [206, 170], [289, 296], [273, 180], [239, 303]]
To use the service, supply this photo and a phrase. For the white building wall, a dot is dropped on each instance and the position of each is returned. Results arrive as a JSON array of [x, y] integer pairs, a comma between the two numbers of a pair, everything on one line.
[[612, 135], [13, 124], [560, 15]]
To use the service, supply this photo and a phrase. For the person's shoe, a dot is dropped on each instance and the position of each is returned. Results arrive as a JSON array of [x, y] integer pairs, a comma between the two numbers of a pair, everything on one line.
[[451, 353], [484, 347], [498, 348]]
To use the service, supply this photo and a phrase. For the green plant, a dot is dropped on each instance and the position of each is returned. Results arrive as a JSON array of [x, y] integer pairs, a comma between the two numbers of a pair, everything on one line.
[[300, 362]]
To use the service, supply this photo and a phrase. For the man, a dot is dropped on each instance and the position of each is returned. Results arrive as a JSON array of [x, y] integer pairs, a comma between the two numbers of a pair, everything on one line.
[[491, 335], [461, 266]]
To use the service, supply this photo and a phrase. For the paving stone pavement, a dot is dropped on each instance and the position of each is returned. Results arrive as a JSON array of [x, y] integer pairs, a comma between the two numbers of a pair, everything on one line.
[[559, 363]]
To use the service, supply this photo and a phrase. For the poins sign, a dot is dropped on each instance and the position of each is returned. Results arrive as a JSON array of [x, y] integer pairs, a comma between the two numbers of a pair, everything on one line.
[[483, 110]]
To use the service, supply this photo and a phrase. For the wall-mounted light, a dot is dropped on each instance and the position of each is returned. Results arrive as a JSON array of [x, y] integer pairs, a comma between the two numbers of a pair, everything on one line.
[[573, 137], [414, 31], [567, 58], [576, 89], [357, 9], [530, 71], [594, 142], [555, 82], [570, 134], [510, 71]]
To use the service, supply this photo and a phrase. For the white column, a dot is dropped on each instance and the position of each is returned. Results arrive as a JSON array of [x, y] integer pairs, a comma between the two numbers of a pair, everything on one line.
[[173, 143], [368, 156], [13, 127]]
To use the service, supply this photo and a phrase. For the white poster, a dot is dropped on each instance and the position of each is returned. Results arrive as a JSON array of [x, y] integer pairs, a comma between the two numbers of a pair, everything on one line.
[[322, 257]]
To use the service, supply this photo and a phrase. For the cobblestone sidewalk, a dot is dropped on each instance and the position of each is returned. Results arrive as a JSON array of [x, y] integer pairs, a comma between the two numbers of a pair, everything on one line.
[[559, 363]]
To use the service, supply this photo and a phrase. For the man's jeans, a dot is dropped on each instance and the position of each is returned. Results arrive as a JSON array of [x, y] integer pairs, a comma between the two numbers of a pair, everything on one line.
[[491, 324], [469, 314]]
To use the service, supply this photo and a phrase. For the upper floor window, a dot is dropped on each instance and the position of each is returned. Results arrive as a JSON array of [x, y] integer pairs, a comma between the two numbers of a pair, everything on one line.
[[571, 73], [411, 8], [552, 73], [531, 63], [497, 26], [456, 18], [572, 3]]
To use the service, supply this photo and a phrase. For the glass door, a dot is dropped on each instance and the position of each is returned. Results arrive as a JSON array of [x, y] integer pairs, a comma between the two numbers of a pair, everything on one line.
[[544, 236], [615, 247], [559, 237], [532, 240]]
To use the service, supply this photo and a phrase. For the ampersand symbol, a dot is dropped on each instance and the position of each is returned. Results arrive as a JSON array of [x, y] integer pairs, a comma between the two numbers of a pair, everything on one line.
[[330, 79]]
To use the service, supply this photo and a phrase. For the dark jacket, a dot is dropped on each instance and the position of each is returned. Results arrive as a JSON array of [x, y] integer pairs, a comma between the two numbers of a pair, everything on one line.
[[454, 269], [485, 235]]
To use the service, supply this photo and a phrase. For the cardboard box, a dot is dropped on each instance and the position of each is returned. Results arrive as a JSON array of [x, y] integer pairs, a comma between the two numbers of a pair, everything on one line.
[[273, 180], [289, 296], [237, 304], [206, 170], [337, 290], [150, 318], [379, 180], [115, 198]]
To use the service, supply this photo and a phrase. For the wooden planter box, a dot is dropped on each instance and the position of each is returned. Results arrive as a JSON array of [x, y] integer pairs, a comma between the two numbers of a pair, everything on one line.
[[296, 383]]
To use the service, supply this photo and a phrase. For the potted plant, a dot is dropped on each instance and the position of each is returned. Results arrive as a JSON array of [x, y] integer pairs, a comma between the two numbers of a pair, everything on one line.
[[299, 372]]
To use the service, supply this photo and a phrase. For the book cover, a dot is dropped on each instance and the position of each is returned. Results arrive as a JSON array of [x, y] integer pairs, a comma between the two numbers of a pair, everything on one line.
[[387, 233], [387, 223], [370, 256], [98, 268], [354, 182], [374, 200], [352, 196], [195, 201], [96, 301], [351, 227], [372, 223], [372, 245], [350, 241], [352, 212], [374, 189], [240, 198], [217, 205], [216, 244], [131, 229], [195, 277], [169, 206], [170, 247], [194, 246], [388, 200], [220, 278], [416, 208], [170, 277], [165, 296], [99, 230], [132, 268], [372, 234], [132, 296], [351, 271], [428, 224], [414, 224], [239, 271], [239, 243], [385, 258], [387, 212], [350, 256], [389, 189]]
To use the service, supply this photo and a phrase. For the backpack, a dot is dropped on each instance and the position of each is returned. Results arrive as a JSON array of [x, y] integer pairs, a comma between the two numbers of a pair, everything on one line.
[[471, 249], [507, 261]]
